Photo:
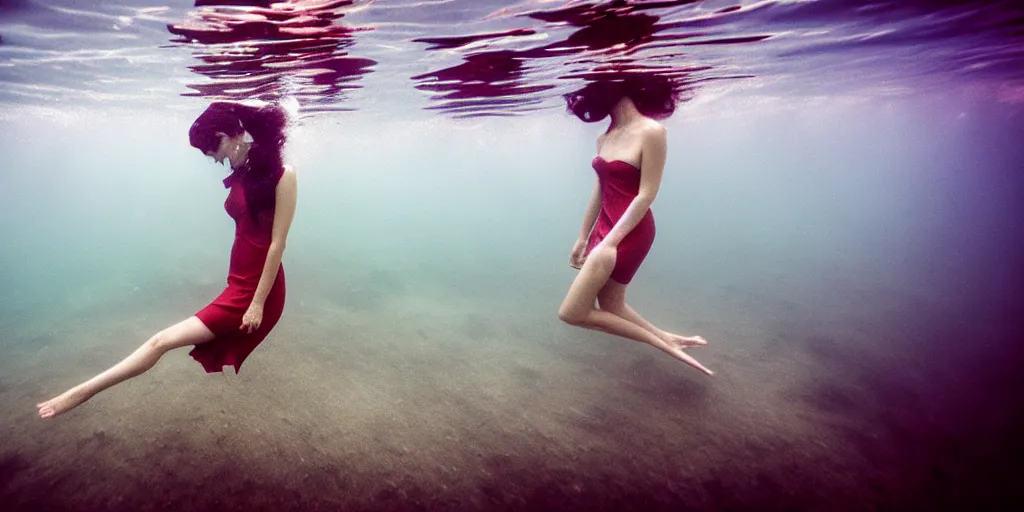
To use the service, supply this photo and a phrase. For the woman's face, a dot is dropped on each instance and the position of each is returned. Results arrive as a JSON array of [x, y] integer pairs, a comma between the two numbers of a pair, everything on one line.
[[225, 150]]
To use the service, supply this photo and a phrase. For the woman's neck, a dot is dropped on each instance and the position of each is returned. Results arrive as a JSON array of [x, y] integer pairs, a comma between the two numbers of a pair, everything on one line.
[[624, 113], [241, 157]]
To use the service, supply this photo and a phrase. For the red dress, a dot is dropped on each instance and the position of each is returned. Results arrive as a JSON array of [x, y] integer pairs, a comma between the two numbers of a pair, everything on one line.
[[620, 183], [224, 315]]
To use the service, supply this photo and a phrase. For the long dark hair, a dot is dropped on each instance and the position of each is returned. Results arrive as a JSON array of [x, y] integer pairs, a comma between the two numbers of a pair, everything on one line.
[[655, 96], [263, 168]]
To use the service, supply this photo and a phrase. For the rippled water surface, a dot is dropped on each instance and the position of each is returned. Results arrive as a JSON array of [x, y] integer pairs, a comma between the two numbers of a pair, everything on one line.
[[839, 216], [495, 58]]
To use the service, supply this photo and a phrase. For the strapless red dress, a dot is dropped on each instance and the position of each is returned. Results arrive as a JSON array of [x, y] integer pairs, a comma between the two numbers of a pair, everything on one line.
[[620, 183], [224, 315]]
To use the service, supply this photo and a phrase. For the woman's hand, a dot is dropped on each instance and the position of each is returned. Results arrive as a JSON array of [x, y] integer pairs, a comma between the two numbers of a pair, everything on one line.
[[252, 319], [578, 254]]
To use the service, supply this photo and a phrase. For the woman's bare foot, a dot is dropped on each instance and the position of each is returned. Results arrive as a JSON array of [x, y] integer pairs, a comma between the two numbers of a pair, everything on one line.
[[681, 342], [65, 402], [680, 354], [708, 372]]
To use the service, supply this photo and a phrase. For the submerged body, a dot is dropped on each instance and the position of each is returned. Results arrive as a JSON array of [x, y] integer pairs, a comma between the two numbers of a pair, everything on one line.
[[618, 228], [620, 184], [261, 200], [223, 317]]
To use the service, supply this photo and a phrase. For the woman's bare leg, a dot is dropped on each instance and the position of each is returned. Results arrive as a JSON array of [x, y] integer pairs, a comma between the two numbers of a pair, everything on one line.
[[184, 333], [578, 307], [612, 298]]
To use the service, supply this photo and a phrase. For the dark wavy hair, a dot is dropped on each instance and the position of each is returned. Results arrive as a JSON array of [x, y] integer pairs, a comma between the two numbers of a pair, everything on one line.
[[655, 96], [264, 167]]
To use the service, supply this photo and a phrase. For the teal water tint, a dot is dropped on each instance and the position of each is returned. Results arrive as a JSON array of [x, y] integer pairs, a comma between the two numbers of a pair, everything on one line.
[[472, 207], [851, 250], [775, 199], [847, 260]]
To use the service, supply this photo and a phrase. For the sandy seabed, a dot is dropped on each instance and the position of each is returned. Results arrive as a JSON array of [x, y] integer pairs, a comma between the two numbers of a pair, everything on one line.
[[384, 398]]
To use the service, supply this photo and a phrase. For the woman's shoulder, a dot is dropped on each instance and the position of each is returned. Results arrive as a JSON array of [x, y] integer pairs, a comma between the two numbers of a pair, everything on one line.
[[288, 172], [287, 177], [652, 127], [652, 132]]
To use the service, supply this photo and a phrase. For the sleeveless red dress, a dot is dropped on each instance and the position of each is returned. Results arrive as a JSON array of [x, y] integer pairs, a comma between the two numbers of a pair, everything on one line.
[[224, 315], [620, 183]]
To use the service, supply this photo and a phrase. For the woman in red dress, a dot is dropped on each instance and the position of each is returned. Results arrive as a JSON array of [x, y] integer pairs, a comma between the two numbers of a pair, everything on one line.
[[618, 227], [261, 201]]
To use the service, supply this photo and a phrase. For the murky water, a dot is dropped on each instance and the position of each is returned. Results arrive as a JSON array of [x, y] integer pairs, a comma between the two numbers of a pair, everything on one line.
[[838, 217]]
